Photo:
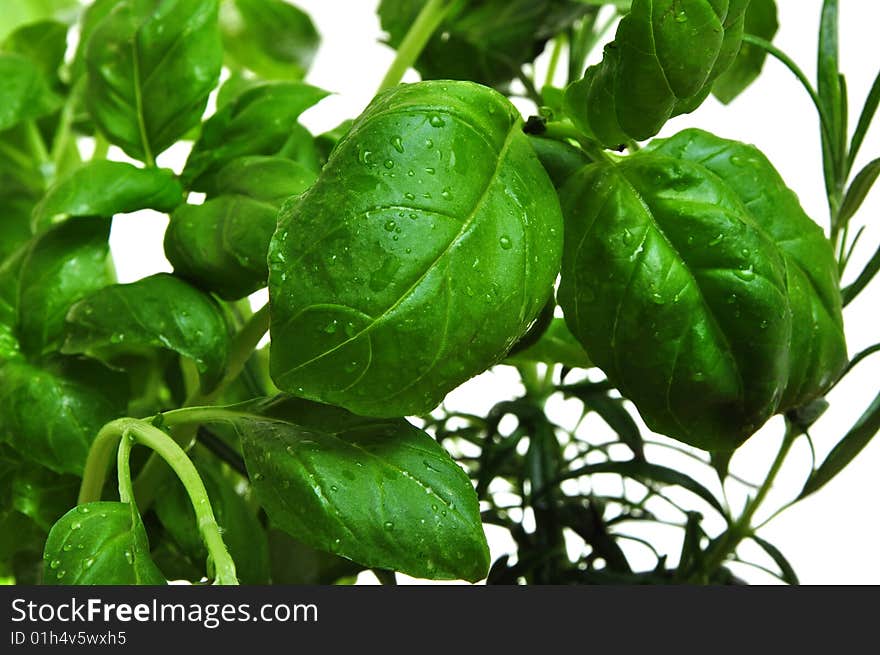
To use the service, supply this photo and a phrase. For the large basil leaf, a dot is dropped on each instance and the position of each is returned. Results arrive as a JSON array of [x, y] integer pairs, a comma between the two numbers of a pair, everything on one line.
[[270, 37], [760, 21], [379, 492], [818, 344], [51, 415], [485, 41], [160, 311], [679, 295], [221, 245], [662, 63], [150, 69], [67, 263], [259, 121], [105, 188], [427, 246], [242, 533], [24, 91], [100, 543]]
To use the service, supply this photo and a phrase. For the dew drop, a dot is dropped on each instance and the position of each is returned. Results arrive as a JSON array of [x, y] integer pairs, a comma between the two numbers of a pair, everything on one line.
[[389, 525], [446, 194], [429, 143], [436, 121], [331, 327], [87, 563], [397, 142], [55, 563], [430, 170], [128, 556], [430, 467], [699, 376], [746, 274], [627, 236], [717, 240], [61, 573], [364, 157], [736, 160], [505, 242], [84, 510], [67, 548], [76, 526], [334, 488], [390, 225], [409, 196], [681, 17], [389, 163]]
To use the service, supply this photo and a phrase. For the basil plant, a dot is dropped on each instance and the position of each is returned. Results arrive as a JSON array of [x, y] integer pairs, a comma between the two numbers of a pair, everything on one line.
[[672, 288]]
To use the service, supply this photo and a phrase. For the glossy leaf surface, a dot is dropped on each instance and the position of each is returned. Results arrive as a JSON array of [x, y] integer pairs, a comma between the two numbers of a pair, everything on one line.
[[425, 249], [105, 188], [100, 543], [160, 311], [24, 91], [143, 51], [662, 63], [678, 295], [379, 492], [761, 20]]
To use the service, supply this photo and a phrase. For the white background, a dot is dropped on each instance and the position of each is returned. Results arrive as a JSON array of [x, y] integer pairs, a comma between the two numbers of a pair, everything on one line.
[[832, 537]]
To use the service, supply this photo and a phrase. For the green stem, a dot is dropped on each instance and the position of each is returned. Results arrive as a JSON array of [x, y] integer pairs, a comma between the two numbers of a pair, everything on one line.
[[789, 63], [558, 44], [102, 147], [163, 445], [65, 123], [732, 537], [413, 43], [123, 468], [38, 149]]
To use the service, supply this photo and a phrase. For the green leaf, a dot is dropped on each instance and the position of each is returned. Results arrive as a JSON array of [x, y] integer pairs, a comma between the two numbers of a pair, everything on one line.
[[106, 188], [160, 311], [379, 492], [664, 263], [242, 533], [761, 20], [272, 38], [221, 245], [89, 20], [615, 415], [100, 543], [846, 450], [150, 70], [268, 179], [662, 63], [51, 415], [865, 120], [24, 91], [421, 281], [864, 279], [818, 346], [858, 190], [65, 264], [259, 121], [485, 42], [788, 574], [641, 470], [42, 495], [43, 43], [556, 346]]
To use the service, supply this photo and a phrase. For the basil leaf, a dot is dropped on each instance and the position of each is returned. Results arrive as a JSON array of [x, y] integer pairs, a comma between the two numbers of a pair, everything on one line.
[[558, 158], [760, 20], [259, 121], [662, 63], [43, 43], [221, 245], [242, 533], [295, 563], [818, 351], [65, 264], [150, 70], [268, 179], [89, 20], [51, 414], [160, 311], [100, 543], [24, 91], [106, 188], [379, 492], [437, 249], [270, 37], [664, 262], [788, 574]]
